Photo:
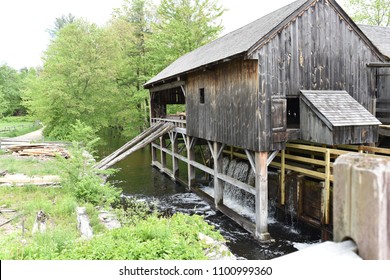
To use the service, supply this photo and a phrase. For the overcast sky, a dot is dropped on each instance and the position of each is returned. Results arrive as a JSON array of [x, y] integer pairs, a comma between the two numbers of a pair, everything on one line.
[[23, 23]]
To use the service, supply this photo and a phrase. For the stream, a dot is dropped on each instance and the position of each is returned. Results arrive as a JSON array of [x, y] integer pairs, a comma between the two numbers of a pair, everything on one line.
[[136, 177]]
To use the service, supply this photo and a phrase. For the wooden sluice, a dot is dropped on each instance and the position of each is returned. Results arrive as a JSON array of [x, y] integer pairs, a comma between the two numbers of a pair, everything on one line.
[[143, 139]]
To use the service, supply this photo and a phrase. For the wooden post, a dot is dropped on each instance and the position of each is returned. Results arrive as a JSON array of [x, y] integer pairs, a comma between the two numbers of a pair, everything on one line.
[[154, 154], [261, 197], [163, 154], [190, 156], [175, 160], [327, 187], [218, 166], [283, 178]]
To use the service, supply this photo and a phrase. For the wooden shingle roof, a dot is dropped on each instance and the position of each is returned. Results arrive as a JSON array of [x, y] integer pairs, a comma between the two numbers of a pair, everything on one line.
[[379, 36], [232, 44], [337, 108]]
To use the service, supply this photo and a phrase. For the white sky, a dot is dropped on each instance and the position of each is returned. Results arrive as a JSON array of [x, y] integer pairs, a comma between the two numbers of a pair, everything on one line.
[[23, 23]]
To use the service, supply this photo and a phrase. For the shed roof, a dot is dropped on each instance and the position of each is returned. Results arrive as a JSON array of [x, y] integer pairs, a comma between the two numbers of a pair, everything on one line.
[[338, 108], [379, 36], [232, 44]]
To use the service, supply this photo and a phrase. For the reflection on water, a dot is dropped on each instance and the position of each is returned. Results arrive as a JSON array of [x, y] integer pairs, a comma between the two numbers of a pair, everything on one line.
[[136, 177]]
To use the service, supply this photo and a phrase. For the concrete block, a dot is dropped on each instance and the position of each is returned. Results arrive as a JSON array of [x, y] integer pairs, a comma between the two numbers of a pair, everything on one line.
[[361, 197]]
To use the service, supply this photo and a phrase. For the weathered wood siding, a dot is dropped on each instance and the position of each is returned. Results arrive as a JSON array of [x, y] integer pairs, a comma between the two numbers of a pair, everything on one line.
[[229, 111], [383, 97], [315, 130], [319, 51]]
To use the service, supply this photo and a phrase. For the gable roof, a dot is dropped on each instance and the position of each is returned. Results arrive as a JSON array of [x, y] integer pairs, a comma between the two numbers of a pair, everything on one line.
[[337, 108], [379, 36], [232, 44], [241, 41]]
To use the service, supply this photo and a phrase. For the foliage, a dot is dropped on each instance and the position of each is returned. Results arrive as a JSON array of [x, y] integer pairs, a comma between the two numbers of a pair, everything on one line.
[[80, 178], [151, 239], [182, 26], [78, 81], [15, 126], [83, 135], [371, 12], [60, 23], [11, 84]]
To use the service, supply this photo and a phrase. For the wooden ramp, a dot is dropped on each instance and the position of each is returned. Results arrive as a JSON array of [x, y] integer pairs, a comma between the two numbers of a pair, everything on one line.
[[146, 137]]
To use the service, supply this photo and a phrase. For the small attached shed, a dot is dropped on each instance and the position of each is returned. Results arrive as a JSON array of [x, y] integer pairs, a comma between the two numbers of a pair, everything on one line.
[[335, 118]]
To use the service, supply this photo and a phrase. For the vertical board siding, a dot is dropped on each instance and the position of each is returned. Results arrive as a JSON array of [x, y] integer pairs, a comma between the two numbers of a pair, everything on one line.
[[228, 114], [323, 52]]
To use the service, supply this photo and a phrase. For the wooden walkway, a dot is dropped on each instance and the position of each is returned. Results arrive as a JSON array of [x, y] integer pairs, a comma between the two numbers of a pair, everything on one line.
[[146, 137]]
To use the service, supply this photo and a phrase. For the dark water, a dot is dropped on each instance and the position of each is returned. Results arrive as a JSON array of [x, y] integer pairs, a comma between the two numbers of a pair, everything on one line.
[[136, 177]]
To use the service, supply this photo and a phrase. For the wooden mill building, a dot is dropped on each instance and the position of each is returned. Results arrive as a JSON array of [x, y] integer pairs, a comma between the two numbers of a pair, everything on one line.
[[303, 72]]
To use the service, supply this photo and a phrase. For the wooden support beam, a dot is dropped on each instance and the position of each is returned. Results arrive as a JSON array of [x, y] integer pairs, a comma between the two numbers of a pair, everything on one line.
[[283, 178], [175, 160], [218, 166], [190, 143], [271, 157], [327, 188], [261, 196], [163, 155]]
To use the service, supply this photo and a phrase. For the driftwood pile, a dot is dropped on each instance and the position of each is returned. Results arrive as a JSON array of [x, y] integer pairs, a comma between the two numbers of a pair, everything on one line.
[[39, 150]]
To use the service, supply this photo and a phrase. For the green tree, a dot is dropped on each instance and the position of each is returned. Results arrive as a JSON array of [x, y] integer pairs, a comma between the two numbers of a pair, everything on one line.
[[371, 12], [131, 25], [11, 82], [182, 26], [60, 23], [78, 80]]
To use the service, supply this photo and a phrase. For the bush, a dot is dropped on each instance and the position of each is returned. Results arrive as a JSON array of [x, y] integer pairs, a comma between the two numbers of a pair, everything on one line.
[[154, 238], [81, 179]]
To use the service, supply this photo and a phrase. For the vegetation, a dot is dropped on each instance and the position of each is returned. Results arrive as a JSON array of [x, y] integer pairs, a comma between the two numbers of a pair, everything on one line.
[[144, 233], [92, 78], [371, 12], [15, 126], [96, 74]]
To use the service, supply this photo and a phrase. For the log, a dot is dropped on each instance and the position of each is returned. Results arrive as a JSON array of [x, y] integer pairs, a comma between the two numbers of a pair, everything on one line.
[[163, 130], [129, 144]]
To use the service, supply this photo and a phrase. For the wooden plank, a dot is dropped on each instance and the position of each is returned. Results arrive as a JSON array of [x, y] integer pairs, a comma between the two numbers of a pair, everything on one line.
[[161, 131], [307, 172], [129, 144], [236, 183]]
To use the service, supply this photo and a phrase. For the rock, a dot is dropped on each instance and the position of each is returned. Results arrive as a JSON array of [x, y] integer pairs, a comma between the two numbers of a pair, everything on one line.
[[109, 220], [216, 250], [83, 223], [40, 222]]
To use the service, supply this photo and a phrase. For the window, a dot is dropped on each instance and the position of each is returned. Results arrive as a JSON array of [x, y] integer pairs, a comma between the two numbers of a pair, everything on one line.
[[293, 114], [201, 95]]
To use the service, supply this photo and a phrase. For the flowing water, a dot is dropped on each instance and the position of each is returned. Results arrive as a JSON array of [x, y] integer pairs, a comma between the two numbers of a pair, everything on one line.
[[136, 177]]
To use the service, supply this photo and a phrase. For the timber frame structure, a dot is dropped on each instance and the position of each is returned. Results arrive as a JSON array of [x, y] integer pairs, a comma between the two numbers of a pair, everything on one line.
[[305, 72]]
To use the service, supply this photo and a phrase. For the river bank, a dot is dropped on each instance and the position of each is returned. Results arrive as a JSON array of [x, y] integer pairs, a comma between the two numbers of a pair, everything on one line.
[[152, 236]]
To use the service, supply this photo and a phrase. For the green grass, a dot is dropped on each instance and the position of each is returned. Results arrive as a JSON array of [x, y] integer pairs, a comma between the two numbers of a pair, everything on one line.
[[28, 165], [144, 235], [16, 126]]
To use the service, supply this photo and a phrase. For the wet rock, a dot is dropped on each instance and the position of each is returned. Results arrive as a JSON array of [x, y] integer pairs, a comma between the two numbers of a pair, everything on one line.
[[216, 250]]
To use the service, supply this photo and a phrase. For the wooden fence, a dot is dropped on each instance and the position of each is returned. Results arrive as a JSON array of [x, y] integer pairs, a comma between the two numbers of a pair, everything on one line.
[[315, 162]]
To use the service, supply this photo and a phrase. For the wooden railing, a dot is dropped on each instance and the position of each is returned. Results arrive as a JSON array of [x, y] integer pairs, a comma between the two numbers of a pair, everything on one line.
[[176, 121], [315, 162]]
